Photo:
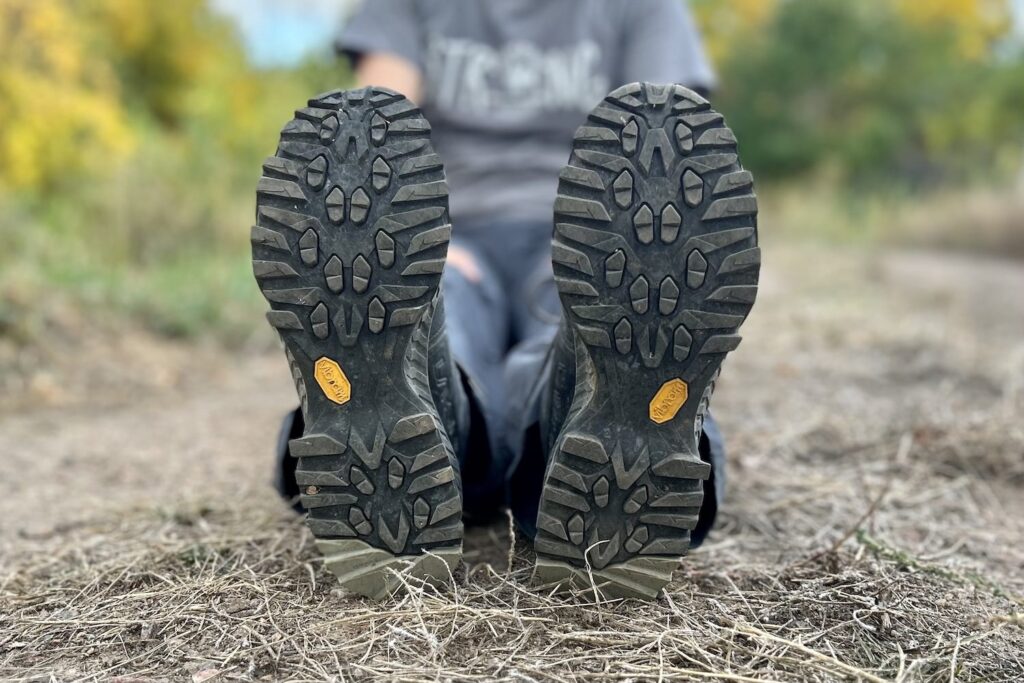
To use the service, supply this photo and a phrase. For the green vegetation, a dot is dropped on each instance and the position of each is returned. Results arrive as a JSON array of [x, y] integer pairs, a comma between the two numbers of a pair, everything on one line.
[[876, 90], [133, 137], [133, 133]]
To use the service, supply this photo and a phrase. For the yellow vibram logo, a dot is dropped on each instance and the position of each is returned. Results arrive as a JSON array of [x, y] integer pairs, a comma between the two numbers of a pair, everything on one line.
[[667, 402], [332, 380]]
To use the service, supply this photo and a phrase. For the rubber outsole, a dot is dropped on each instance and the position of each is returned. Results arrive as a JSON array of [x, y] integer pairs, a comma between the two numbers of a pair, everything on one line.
[[350, 240], [656, 262]]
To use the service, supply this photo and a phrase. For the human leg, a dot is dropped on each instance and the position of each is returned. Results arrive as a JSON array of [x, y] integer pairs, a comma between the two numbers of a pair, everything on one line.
[[477, 332]]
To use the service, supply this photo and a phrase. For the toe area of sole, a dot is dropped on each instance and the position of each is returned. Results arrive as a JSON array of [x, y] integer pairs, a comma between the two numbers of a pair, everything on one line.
[[641, 577], [378, 574]]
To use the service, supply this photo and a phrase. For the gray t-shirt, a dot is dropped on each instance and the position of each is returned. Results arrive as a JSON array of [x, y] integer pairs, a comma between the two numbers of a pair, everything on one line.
[[507, 82]]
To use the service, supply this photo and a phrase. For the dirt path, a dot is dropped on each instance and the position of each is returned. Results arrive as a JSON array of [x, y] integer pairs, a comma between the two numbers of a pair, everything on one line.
[[875, 526]]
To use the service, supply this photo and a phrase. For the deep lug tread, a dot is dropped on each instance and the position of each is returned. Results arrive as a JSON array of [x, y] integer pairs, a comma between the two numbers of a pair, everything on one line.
[[352, 230], [654, 200]]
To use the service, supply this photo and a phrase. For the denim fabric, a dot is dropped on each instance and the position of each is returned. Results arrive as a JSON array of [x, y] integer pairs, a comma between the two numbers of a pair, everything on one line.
[[490, 322]]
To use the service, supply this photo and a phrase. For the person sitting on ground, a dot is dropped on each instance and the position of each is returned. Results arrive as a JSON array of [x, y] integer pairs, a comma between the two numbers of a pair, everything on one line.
[[560, 367]]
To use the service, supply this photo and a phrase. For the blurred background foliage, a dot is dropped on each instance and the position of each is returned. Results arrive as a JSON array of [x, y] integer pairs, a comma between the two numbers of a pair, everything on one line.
[[133, 132], [913, 91]]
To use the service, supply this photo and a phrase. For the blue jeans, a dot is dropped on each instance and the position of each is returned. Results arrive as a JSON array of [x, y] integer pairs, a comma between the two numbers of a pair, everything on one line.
[[500, 330]]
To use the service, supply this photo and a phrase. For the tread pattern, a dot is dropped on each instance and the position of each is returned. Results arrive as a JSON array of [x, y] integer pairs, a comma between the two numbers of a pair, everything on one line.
[[349, 243], [656, 262]]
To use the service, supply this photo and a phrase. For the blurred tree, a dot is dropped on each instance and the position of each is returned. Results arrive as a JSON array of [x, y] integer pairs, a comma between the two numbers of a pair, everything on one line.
[[161, 50], [872, 88], [726, 24], [85, 86], [60, 106], [866, 87], [973, 25]]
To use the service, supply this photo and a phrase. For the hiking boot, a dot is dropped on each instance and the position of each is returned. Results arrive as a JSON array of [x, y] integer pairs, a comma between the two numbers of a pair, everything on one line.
[[350, 240], [656, 262]]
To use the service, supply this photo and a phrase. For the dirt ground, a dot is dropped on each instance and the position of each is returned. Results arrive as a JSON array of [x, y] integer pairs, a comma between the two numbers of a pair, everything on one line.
[[874, 529]]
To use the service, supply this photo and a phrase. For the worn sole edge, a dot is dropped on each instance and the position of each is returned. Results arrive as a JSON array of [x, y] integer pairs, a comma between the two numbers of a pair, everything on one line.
[[640, 577], [378, 574]]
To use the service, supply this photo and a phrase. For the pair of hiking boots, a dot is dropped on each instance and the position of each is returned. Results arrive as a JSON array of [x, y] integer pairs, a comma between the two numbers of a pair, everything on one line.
[[656, 263]]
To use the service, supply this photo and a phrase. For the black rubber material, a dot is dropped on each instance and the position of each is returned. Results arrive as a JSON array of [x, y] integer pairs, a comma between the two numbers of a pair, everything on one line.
[[350, 240], [656, 261]]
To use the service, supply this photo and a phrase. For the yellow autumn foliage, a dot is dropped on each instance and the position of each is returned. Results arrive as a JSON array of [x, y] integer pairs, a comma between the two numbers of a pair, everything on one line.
[[725, 23], [60, 107], [85, 85], [163, 50], [975, 24]]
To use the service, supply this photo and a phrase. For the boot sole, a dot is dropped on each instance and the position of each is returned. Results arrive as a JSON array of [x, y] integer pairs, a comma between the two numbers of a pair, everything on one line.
[[656, 262], [350, 240]]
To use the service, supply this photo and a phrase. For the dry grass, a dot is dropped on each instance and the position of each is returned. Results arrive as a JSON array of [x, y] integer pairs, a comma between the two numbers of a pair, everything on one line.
[[981, 219], [874, 530], [222, 592], [986, 220]]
